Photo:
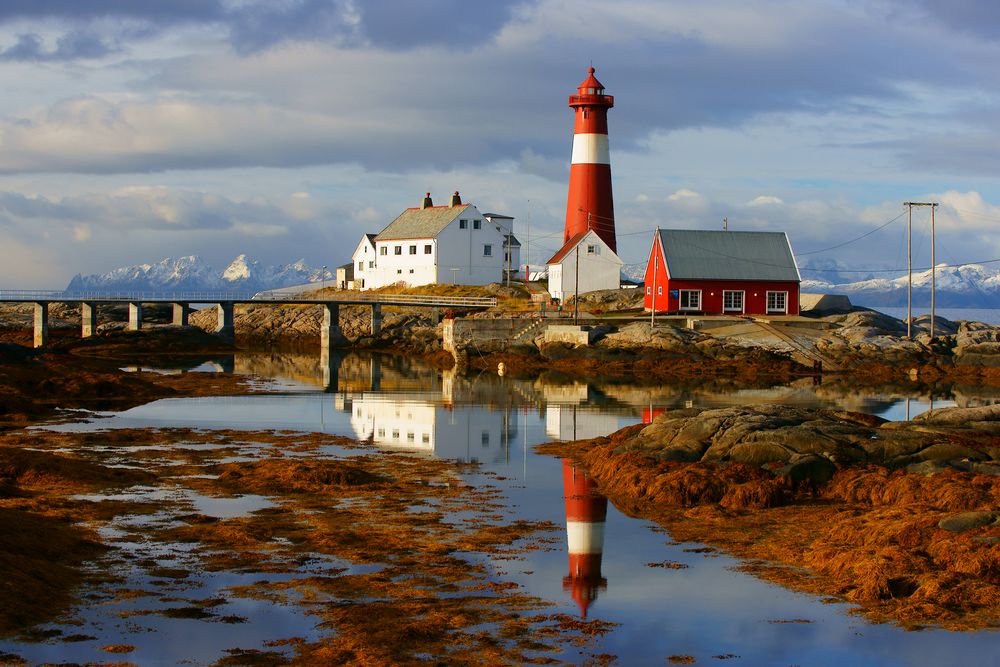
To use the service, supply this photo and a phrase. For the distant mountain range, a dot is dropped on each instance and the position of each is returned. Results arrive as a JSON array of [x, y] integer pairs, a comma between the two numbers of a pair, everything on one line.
[[191, 273], [970, 286]]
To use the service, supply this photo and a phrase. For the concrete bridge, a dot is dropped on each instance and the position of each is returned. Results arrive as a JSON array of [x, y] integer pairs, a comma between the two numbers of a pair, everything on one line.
[[224, 302]]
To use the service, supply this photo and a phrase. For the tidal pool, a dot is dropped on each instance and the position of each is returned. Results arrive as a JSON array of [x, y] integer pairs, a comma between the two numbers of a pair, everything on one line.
[[667, 598]]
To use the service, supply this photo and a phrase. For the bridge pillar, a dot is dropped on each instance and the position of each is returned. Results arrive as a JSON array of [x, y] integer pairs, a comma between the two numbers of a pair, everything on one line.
[[182, 311], [41, 324], [224, 325], [376, 374], [134, 316], [376, 319], [88, 319], [329, 329]]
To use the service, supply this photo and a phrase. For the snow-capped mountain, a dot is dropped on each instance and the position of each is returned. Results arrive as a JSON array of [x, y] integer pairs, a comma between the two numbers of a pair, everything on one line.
[[970, 286], [192, 273]]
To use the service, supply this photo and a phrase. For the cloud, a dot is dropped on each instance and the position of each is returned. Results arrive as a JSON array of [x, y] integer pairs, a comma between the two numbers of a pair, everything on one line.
[[70, 46], [765, 200]]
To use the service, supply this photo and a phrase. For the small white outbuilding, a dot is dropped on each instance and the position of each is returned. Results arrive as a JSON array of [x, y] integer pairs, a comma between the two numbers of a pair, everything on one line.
[[585, 255]]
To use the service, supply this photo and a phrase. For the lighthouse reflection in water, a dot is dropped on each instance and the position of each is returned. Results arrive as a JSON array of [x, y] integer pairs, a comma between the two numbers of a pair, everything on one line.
[[586, 512]]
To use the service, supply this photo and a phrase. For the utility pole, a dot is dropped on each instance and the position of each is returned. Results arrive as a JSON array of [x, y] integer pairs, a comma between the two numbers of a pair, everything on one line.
[[507, 257], [576, 288], [527, 244], [909, 267]]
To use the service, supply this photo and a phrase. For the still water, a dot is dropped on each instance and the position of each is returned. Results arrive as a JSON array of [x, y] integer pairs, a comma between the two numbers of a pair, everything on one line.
[[603, 568]]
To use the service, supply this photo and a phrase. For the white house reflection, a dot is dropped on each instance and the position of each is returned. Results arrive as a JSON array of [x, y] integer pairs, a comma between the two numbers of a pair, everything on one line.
[[421, 424]]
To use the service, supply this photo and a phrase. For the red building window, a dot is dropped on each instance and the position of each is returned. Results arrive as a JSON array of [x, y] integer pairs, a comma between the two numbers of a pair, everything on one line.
[[732, 301], [777, 302], [690, 299]]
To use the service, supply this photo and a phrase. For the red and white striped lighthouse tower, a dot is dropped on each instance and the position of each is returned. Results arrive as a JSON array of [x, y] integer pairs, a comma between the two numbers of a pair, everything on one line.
[[589, 205], [586, 512]]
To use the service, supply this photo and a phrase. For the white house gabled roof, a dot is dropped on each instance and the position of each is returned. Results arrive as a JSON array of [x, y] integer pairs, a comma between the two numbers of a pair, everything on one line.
[[576, 240], [421, 223]]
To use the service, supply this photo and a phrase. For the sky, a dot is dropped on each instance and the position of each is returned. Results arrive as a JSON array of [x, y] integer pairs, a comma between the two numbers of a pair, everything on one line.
[[285, 129]]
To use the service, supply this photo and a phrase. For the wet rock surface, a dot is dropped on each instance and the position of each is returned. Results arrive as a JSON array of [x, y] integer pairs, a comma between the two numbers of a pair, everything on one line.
[[786, 435]]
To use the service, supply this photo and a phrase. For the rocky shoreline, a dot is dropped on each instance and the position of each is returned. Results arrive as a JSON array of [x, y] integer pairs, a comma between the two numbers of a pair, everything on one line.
[[898, 517]]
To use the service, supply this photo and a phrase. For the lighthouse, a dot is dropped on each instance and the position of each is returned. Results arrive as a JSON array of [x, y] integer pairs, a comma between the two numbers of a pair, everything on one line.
[[589, 205], [586, 512]]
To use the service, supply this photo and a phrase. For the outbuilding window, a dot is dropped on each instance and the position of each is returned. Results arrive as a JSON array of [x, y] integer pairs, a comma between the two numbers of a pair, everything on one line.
[[593, 249], [690, 299], [732, 301], [488, 250], [777, 302], [477, 224], [463, 224]]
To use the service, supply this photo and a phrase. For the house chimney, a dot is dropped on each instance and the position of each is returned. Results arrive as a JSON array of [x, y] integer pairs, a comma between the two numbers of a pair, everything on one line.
[[427, 201], [455, 200]]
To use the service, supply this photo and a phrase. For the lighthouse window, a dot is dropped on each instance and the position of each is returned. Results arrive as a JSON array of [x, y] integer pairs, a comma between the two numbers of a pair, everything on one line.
[[591, 91], [488, 250]]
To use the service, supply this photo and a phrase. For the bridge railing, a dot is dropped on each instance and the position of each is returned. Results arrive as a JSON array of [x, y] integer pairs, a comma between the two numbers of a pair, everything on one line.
[[396, 299], [217, 297], [141, 296]]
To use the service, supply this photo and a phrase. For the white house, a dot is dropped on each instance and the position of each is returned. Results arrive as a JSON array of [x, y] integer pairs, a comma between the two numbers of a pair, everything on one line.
[[588, 256], [364, 262], [438, 244]]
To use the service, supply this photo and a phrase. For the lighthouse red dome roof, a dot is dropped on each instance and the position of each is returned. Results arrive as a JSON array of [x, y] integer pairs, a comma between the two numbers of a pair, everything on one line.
[[595, 87]]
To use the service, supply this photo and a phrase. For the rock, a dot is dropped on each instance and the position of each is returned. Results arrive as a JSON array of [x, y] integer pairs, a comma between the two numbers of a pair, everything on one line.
[[959, 523], [960, 416], [809, 469]]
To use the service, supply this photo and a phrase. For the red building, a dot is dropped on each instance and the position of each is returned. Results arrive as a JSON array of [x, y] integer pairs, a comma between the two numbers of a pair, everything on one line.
[[722, 272]]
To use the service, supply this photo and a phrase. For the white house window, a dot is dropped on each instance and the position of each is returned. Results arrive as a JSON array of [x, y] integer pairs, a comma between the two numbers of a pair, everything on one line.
[[399, 270], [732, 301], [395, 434], [409, 436], [463, 224], [428, 249], [477, 224], [361, 266], [690, 299], [411, 270], [488, 250], [397, 250], [371, 265], [593, 250], [425, 438], [383, 250], [777, 302], [413, 250], [381, 433]]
